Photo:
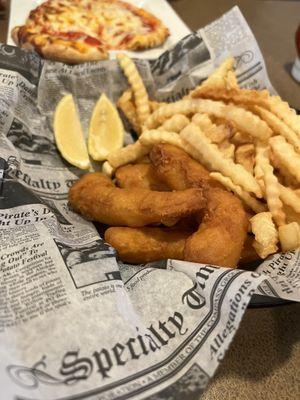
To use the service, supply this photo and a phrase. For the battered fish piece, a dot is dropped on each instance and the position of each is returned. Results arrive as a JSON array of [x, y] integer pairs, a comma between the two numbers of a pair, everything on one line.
[[139, 176], [178, 170], [97, 199], [222, 232], [142, 245]]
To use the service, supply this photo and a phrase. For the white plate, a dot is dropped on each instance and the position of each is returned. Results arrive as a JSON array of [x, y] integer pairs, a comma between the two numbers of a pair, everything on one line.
[[19, 11]]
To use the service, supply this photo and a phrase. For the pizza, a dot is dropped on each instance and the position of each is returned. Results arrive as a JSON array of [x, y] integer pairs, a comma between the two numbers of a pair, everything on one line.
[[75, 31]]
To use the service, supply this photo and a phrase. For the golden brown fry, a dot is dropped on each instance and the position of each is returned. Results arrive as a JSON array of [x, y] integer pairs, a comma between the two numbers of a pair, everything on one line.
[[282, 173], [175, 123], [279, 127], [290, 198], [231, 81], [289, 236], [216, 80], [128, 154], [244, 120], [140, 94], [143, 245], [266, 235], [251, 202], [271, 184], [107, 169], [227, 149], [139, 176], [126, 104], [260, 98], [154, 136], [154, 105], [216, 133], [240, 138], [244, 155], [96, 198], [286, 155], [213, 159], [237, 96]]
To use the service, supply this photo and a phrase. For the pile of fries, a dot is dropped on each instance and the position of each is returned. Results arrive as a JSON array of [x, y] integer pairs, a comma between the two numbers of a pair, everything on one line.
[[247, 139]]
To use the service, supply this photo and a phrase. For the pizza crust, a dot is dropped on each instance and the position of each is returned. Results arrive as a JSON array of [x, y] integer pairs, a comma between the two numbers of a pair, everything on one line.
[[31, 36], [59, 52]]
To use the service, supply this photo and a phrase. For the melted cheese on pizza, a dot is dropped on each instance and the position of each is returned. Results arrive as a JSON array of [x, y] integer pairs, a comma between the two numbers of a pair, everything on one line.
[[97, 22]]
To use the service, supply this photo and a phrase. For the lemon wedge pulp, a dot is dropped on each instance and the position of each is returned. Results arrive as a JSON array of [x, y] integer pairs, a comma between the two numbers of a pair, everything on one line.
[[68, 134], [106, 131]]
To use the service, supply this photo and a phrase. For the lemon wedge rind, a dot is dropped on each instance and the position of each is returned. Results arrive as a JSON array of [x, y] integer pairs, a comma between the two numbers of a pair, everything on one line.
[[68, 134], [106, 131]]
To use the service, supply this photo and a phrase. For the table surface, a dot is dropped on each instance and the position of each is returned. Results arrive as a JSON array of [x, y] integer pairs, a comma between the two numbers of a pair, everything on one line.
[[263, 361]]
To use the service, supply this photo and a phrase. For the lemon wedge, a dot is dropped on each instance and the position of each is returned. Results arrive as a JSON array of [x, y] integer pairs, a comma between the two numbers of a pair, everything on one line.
[[68, 134], [106, 131]]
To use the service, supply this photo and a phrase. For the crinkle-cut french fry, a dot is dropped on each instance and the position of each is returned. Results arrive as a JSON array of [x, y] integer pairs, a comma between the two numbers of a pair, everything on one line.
[[256, 97], [216, 133], [271, 184], [107, 169], [242, 119], [278, 126], [250, 201], [175, 124], [155, 136], [209, 154], [154, 105], [216, 80], [241, 138], [231, 81], [282, 109], [244, 155], [266, 235], [286, 155], [126, 104], [289, 197], [237, 96], [227, 149], [127, 154], [258, 175], [282, 173], [289, 236], [291, 215], [137, 85]]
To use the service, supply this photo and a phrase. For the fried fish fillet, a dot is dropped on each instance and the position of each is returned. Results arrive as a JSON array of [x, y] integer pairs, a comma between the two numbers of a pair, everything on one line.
[[142, 245], [97, 199], [222, 232], [178, 170], [139, 176]]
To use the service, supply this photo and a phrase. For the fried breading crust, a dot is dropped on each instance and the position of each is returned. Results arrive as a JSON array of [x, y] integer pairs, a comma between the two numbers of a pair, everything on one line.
[[222, 232], [139, 176], [178, 170], [221, 235], [97, 199], [142, 245]]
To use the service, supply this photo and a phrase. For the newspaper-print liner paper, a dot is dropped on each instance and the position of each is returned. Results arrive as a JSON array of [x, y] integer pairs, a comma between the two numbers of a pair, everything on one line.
[[74, 322]]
